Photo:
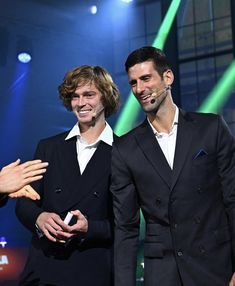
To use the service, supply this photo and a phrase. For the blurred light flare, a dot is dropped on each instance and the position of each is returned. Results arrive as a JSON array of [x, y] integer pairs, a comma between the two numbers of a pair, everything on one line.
[[24, 57], [93, 9]]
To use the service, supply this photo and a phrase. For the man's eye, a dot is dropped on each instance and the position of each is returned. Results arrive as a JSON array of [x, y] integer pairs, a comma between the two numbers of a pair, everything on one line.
[[89, 94], [146, 78]]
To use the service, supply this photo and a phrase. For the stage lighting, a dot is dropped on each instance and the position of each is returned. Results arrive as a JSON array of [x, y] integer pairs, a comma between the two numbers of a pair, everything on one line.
[[127, 1], [3, 241], [24, 57], [24, 50], [93, 9]]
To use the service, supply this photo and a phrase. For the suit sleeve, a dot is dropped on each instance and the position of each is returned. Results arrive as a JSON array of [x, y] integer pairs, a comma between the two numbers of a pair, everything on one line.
[[226, 166], [127, 221], [3, 200], [101, 230], [28, 210]]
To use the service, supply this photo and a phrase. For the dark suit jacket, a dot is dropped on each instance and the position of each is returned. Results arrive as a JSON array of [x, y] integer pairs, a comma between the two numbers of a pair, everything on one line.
[[86, 261], [189, 211], [3, 200]]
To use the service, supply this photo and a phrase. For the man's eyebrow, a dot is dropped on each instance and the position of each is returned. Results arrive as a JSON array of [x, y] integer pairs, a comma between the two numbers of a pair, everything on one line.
[[145, 75], [85, 92], [89, 92]]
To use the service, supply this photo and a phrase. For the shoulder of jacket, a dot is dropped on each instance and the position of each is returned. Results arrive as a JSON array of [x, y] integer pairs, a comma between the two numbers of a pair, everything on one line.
[[54, 138], [199, 116]]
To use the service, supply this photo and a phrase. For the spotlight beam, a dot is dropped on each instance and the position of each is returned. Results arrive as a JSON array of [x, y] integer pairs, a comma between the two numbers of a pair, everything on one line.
[[221, 92], [166, 25], [129, 114]]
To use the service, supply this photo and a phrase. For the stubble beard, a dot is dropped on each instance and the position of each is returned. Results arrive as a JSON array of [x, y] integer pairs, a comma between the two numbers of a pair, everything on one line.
[[154, 107]]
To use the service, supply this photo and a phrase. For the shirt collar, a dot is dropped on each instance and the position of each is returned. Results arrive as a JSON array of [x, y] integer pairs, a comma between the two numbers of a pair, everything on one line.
[[106, 135], [176, 118], [174, 123]]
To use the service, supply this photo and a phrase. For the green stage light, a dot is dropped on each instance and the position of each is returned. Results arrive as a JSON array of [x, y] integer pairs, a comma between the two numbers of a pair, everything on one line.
[[129, 114], [127, 118], [165, 27], [221, 92]]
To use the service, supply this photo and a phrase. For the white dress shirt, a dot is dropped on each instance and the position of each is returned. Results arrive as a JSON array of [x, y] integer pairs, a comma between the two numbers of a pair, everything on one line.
[[85, 151], [167, 141]]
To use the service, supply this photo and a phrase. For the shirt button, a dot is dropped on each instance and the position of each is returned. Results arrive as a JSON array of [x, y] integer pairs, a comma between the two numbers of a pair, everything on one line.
[[179, 253]]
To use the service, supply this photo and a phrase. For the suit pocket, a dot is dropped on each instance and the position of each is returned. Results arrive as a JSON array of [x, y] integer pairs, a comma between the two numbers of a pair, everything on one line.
[[154, 229], [204, 160], [214, 241], [153, 250]]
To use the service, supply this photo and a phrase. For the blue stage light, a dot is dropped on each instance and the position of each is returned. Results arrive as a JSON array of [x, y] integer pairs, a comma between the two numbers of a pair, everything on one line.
[[93, 9], [24, 57], [127, 1]]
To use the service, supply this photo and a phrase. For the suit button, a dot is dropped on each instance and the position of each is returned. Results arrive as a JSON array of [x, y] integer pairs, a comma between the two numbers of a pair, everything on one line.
[[202, 249], [199, 189], [58, 190], [179, 253], [96, 194], [172, 200], [175, 225], [158, 201], [197, 220]]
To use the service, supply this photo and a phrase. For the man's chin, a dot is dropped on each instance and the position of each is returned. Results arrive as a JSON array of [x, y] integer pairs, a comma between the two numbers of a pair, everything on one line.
[[85, 120], [149, 108]]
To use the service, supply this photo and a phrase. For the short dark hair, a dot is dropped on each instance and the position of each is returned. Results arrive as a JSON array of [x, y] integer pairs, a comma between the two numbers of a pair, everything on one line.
[[148, 53], [93, 74]]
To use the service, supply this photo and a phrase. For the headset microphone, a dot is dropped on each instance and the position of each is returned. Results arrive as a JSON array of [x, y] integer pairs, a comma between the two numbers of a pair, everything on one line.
[[96, 114], [158, 93]]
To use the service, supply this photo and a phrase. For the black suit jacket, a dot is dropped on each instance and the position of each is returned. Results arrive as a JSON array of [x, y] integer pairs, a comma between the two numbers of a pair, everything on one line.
[[86, 261], [189, 211], [3, 200]]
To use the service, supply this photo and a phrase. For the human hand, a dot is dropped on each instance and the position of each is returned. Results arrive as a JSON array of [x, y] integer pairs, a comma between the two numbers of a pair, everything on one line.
[[80, 226], [27, 191], [15, 175], [232, 281], [50, 224]]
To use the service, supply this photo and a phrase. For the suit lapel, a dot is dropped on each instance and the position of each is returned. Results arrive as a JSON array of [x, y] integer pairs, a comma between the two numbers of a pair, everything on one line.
[[98, 165], [150, 147], [183, 141], [68, 170], [69, 158]]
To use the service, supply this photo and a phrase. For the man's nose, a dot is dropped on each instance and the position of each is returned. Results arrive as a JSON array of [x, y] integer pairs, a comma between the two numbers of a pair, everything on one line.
[[80, 101], [139, 87]]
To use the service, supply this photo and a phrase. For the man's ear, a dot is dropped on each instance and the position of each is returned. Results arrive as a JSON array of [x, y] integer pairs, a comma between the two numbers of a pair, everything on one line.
[[168, 77]]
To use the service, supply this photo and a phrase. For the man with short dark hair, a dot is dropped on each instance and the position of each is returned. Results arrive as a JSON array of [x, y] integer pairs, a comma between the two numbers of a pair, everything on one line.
[[179, 168]]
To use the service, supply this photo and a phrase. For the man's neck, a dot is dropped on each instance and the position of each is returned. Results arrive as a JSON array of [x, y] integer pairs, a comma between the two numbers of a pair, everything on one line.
[[90, 133], [162, 120]]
